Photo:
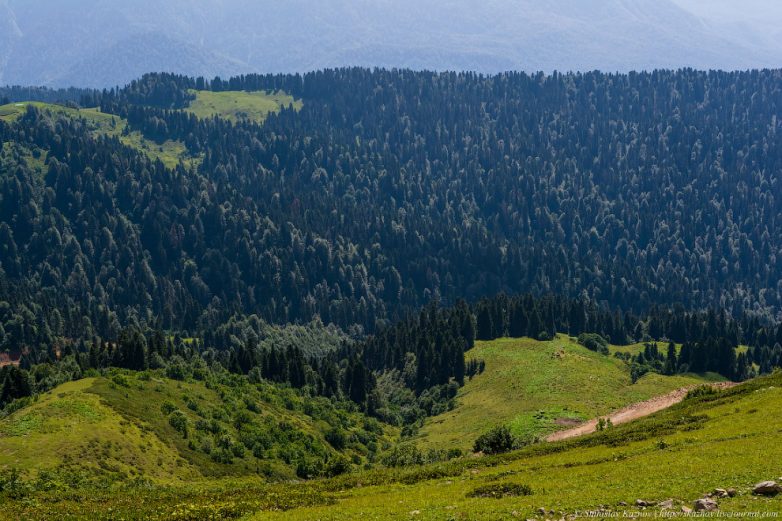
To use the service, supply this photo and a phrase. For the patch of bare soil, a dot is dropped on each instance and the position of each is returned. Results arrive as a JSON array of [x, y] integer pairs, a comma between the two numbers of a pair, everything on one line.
[[631, 412]]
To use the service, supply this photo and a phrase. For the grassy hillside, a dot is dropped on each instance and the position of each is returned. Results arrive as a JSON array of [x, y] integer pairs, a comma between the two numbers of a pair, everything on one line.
[[539, 387], [142, 425], [169, 152], [726, 439], [236, 105], [72, 427]]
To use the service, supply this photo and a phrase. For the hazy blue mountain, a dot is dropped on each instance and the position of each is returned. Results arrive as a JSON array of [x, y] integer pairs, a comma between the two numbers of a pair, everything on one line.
[[108, 42]]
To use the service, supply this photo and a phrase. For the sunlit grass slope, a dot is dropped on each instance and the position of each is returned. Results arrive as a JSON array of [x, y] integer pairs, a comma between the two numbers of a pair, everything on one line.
[[537, 387], [730, 439], [74, 427], [114, 428], [239, 105], [726, 439]]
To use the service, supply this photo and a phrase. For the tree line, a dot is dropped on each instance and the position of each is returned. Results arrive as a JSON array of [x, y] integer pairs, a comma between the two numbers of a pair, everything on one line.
[[414, 367]]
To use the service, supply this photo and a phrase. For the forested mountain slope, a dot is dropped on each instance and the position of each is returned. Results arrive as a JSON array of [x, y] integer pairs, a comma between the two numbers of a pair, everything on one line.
[[125, 425]]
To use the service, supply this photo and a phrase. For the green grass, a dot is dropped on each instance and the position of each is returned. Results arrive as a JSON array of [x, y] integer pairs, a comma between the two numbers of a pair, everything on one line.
[[535, 387], [726, 439], [730, 441], [637, 348], [169, 152], [73, 428], [239, 105], [116, 428]]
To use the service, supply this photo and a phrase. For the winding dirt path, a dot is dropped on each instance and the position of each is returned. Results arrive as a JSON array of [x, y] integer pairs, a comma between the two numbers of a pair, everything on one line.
[[633, 412]]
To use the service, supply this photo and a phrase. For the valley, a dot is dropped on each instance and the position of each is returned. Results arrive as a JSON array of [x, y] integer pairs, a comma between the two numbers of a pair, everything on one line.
[[391, 294]]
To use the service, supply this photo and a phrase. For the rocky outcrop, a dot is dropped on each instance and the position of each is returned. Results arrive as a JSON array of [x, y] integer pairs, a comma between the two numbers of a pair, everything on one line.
[[705, 505], [767, 488]]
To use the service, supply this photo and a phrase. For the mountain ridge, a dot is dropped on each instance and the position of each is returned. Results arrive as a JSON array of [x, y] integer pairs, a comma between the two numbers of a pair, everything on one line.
[[91, 44]]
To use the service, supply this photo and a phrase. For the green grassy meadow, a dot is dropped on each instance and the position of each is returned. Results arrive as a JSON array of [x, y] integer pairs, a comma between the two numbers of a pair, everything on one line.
[[726, 440], [239, 105], [536, 387], [72, 426], [116, 428], [723, 439]]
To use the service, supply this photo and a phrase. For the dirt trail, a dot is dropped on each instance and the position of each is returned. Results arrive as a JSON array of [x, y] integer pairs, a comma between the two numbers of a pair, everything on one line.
[[633, 412]]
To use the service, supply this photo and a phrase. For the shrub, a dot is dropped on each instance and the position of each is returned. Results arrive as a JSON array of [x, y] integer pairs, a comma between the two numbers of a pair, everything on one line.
[[603, 424], [238, 450], [496, 441], [177, 368], [12, 484], [336, 438], [501, 490], [121, 380], [178, 421], [637, 371], [222, 455], [701, 390], [544, 336], [337, 465], [168, 407], [594, 342]]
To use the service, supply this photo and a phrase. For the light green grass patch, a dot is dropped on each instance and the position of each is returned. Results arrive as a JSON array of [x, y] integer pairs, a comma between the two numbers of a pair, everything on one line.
[[535, 387], [73, 428], [240, 105]]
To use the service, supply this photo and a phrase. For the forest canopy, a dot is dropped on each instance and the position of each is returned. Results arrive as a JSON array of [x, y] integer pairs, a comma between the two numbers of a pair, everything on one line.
[[388, 190]]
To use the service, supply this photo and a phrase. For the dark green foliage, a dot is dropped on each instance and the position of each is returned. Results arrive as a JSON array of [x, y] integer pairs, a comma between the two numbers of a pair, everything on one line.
[[105, 238], [179, 422], [499, 223], [700, 391], [336, 438], [338, 464], [498, 440], [711, 354], [16, 93], [671, 360], [474, 367], [12, 485], [406, 454], [132, 351], [594, 342], [14, 383]]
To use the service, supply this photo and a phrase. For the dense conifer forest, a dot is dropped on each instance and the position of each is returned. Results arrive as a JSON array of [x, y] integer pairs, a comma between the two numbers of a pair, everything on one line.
[[636, 207]]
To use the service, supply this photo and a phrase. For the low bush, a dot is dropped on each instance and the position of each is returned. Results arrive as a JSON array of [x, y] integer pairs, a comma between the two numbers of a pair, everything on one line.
[[593, 342], [499, 439], [501, 490]]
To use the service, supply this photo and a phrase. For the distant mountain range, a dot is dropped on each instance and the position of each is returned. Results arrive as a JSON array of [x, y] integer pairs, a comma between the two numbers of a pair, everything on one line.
[[101, 43]]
